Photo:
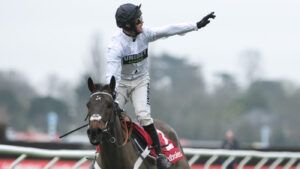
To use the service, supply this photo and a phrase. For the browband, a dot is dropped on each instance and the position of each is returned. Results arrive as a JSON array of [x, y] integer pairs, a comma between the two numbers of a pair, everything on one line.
[[104, 93]]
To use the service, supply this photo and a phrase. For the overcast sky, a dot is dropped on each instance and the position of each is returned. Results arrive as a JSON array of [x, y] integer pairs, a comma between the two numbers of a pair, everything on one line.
[[44, 37]]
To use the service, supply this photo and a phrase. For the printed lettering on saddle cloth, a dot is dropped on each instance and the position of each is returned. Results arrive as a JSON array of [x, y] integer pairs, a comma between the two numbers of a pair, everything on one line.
[[169, 149]]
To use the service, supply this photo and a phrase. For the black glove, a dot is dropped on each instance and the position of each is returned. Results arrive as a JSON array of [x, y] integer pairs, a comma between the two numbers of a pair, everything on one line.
[[205, 20]]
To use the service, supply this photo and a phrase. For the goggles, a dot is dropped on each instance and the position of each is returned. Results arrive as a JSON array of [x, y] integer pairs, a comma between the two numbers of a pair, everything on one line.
[[139, 20]]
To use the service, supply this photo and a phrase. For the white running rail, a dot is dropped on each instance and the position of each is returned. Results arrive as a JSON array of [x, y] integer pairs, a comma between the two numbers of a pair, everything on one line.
[[292, 158]]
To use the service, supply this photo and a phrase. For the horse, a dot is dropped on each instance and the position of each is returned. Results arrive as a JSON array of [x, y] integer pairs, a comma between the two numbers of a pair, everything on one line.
[[107, 129]]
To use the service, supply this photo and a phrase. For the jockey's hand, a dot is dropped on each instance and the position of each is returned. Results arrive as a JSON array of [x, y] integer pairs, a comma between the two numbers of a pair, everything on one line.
[[206, 20]]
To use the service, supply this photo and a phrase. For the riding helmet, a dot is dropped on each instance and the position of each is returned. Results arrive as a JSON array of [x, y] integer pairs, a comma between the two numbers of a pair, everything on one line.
[[127, 14]]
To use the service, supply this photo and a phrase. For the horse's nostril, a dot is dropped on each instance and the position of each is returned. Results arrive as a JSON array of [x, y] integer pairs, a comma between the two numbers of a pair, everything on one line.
[[94, 135], [91, 133]]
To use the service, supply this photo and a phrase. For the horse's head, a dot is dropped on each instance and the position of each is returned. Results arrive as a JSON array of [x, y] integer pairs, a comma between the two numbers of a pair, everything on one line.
[[101, 111]]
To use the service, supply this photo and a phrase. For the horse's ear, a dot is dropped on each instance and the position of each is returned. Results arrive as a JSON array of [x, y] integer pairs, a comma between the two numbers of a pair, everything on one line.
[[91, 85], [112, 83]]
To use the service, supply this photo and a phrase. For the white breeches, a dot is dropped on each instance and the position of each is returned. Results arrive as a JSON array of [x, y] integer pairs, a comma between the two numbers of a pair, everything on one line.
[[137, 91]]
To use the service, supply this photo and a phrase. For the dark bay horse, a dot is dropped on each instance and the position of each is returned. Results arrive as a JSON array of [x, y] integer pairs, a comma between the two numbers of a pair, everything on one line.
[[106, 130]]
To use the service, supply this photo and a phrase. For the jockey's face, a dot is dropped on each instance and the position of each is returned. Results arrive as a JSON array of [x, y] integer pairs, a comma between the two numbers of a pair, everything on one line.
[[138, 28], [139, 24]]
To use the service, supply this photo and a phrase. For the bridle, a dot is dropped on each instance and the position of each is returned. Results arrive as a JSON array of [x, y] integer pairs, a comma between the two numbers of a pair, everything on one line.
[[87, 116], [95, 116], [107, 129]]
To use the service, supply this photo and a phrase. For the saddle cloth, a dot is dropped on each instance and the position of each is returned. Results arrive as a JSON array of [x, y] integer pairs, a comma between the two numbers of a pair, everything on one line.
[[169, 149]]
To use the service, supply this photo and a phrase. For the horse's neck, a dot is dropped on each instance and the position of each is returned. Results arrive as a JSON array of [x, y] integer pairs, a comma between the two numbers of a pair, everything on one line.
[[114, 156]]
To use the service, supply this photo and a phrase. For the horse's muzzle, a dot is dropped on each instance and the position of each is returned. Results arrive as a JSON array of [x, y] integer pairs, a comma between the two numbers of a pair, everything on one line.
[[95, 135]]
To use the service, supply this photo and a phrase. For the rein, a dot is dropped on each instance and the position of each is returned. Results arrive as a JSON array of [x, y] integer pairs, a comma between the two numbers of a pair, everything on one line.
[[122, 117], [64, 135], [124, 126]]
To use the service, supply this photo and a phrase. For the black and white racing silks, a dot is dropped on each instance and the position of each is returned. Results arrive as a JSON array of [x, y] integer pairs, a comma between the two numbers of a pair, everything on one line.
[[127, 57]]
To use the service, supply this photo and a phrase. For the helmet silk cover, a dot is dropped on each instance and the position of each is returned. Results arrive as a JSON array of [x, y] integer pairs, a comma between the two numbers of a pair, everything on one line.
[[126, 16]]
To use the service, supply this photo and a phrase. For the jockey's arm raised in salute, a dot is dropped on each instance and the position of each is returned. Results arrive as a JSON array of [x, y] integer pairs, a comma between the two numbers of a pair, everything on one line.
[[127, 60]]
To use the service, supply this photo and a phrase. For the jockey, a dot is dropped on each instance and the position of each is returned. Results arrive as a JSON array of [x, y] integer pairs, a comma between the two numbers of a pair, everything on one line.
[[127, 60]]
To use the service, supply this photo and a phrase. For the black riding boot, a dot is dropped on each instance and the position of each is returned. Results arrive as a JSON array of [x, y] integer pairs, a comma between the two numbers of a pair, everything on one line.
[[161, 161]]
